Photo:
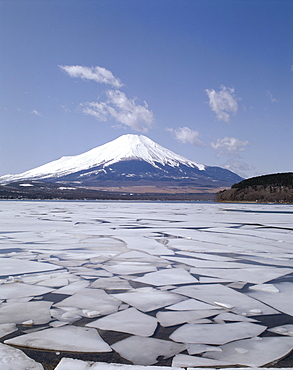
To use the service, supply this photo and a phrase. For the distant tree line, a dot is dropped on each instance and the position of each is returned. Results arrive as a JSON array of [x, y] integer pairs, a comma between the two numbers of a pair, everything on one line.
[[268, 188], [276, 180]]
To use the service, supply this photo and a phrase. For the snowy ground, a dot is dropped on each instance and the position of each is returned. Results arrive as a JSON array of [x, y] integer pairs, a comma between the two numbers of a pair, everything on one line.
[[165, 284]]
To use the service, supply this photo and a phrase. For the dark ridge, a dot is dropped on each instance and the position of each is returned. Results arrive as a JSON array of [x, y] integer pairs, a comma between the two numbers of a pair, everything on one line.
[[276, 180], [273, 188]]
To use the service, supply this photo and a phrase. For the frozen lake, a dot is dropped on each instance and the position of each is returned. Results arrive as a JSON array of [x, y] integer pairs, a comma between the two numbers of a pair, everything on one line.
[[154, 283]]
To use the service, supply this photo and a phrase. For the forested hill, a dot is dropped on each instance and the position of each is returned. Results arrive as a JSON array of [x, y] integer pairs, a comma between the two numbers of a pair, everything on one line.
[[268, 188]]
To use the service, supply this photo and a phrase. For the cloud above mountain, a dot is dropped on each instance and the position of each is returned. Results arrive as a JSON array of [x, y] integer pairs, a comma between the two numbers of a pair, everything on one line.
[[239, 167], [186, 135], [97, 74], [124, 110], [223, 102], [231, 149], [229, 145]]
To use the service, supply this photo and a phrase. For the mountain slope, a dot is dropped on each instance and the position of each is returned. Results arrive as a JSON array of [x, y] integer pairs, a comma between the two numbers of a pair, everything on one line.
[[276, 187], [130, 158]]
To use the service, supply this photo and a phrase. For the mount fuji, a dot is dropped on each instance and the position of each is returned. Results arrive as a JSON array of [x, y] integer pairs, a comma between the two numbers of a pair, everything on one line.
[[130, 160]]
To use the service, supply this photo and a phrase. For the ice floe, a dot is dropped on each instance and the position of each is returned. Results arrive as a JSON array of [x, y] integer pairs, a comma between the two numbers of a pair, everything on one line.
[[91, 299], [195, 349], [148, 299], [270, 288], [17, 290], [255, 351], [128, 321], [129, 267], [281, 301], [176, 276], [167, 318], [67, 314], [17, 266], [216, 333], [66, 338], [111, 283], [54, 282], [220, 295], [72, 364], [13, 358], [203, 263], [145, 351], [38, 312], [191, 304], [228, 316], [182, 360], [254, 275], [73, 287], [6, 329], [283, 330]]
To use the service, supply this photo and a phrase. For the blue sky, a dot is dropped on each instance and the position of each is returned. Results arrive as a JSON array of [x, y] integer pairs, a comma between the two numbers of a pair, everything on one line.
[[209, 79]]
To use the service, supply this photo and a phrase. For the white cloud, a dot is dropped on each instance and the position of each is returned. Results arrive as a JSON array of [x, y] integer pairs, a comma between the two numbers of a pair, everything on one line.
[[230, 146], [186, 135], [98, 110], [272, 99], [124, 110], [97, 74], [223, 102], [239, 167], [35, 112]]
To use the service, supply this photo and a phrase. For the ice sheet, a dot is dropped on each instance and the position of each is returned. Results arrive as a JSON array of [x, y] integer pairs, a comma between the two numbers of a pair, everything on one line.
[[121, 246]]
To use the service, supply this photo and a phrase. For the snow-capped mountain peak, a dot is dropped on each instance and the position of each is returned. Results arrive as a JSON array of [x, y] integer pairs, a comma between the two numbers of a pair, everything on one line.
[[140, 147], [132, 160], [124, 148]]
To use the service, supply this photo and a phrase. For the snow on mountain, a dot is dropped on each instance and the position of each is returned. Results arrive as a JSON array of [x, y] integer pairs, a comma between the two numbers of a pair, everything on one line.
[[125, 148]]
